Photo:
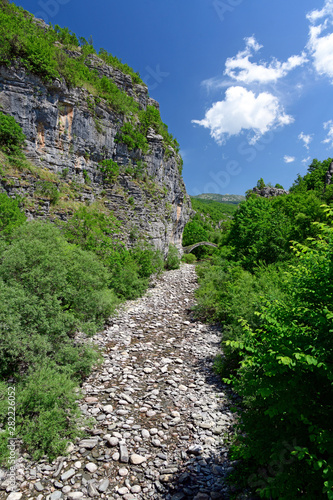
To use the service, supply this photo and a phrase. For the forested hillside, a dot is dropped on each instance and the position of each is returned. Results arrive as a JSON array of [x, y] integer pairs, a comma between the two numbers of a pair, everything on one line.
[[208, 222], [270, 288]]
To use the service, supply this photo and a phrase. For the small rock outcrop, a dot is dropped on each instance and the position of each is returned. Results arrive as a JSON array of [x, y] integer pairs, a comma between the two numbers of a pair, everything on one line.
[[329, 174], [268, 191]]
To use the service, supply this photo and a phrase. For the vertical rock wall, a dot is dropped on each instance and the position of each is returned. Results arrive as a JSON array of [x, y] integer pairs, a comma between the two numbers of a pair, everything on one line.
[[69, 132]]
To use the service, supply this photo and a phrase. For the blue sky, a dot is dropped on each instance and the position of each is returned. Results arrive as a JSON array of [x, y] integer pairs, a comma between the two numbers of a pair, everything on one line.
[[245, 86]]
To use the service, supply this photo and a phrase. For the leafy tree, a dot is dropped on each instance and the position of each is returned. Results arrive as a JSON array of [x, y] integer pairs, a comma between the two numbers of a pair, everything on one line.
[[314, 180], [262, 228], [260, 183]]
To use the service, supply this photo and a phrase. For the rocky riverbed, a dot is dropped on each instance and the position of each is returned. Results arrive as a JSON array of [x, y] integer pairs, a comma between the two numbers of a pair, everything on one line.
[[161, 417]]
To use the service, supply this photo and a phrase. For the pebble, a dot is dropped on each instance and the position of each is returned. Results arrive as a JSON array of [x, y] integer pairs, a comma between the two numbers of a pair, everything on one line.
[[137, 459], [91, 467], [66, 475], [159, 411]]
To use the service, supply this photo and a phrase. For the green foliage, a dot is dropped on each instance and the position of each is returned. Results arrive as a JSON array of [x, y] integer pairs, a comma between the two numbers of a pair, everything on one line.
[[132, 137], [86, 177], [314, 180], [116, 63], [47, 412], [263, 227], [173, 259], [129, 269], [270, 287], [260, 183], [217, 211], [11, 136], [49, 289], [110, 169], [47, 295], [49, 190], [23, 39], [189, 258], [64, 173], [151, 118], [285, 379], [10, 215]]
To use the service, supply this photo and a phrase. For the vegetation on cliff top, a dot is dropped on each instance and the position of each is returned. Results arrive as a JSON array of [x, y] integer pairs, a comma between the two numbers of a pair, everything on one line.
[[52, 52]]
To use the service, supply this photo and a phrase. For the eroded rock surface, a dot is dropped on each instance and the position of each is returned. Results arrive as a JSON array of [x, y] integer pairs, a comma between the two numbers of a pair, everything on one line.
[[161, 416]]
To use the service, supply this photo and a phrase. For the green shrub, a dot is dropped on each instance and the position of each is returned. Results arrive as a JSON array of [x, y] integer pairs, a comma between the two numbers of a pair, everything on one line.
[[125, 279], [173, 259], [47, 412], [262, 228], [132, 137], [110, 169], [11, 136], [69, 278], [189, 258], [86, 177], [49, 190], [10, 215]]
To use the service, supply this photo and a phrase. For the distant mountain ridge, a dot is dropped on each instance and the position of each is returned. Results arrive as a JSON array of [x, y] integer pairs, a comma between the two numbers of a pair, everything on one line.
[[221, 198]]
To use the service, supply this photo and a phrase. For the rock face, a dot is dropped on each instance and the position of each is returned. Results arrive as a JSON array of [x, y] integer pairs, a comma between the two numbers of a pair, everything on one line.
[[329, 174], [69, 132], [268, 191]]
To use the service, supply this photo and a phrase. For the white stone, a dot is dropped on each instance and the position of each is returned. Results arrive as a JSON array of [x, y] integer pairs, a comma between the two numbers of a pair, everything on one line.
[[137, 459], [91, 467], [108, 409], [14, 496]]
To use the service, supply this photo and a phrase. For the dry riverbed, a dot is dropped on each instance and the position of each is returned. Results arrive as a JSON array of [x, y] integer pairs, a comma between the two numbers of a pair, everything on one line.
[[161, 416]]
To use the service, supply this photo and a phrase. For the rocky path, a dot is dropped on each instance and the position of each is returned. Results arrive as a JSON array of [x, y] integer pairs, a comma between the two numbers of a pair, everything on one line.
[[161, 415]]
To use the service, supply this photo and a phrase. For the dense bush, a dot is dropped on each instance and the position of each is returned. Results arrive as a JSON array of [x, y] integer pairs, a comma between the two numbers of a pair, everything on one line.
[[285, 379], [173, 259], [110, 169], [189, 258], [129, 269], [11, 136], [10, 215], [132, 137], [49, 289]]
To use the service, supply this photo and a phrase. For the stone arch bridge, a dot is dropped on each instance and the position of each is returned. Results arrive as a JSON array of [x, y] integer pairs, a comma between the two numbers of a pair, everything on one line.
[[189, 248]]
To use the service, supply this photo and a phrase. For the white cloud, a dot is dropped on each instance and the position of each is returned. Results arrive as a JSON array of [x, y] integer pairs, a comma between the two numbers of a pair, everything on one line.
[[327, 10], [306, 160], [306, 138], [329, 138], [320, 45], [242, 110], [241, 69], [289, 159]]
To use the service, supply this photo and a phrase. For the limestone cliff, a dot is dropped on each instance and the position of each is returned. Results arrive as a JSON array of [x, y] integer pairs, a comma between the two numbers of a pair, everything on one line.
[[69, 131]]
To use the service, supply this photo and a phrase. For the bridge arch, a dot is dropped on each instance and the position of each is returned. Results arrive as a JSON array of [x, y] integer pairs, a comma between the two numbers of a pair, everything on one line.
[[189, 248]]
